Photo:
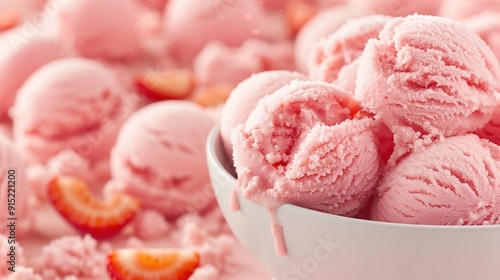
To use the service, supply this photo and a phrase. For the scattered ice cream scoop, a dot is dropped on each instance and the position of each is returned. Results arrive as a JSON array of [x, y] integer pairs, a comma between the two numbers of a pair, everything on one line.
[[159, 157], [321, 25], [220, 64], [72, 103], [246, 95], [101, 29], [430, 74], [190, 24], [343, 46], [19, 58], [451, 182]]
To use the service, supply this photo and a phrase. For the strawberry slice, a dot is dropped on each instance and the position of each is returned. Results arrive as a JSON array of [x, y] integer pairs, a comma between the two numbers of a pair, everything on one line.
[[152, 264], [298, 13], [8, 20], [101, 219], [212, 95], [173, 84], [351, 104]]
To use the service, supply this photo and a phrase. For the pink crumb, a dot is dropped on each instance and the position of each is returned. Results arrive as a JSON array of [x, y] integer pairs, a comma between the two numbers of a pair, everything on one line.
[[71, 256]]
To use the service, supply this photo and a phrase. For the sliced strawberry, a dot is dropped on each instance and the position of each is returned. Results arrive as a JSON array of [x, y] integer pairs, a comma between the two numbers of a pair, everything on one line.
[[101, 219], [8, 20], [298, 13], [212, 95], [173, 84], [151, 264], [351, 104]]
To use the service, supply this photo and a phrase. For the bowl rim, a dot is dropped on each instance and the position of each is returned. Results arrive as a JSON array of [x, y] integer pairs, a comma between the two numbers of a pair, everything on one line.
[[214, 139]]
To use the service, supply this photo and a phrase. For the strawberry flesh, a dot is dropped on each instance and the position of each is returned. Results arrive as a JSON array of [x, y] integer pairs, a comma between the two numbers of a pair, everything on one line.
[[8, 20], [212, 95], [298, 13], [153, 264], [173, 84], [101, 219]]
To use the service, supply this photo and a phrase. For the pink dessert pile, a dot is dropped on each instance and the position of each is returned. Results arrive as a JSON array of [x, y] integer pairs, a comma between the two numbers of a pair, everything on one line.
[[411, 140], [356, 108]]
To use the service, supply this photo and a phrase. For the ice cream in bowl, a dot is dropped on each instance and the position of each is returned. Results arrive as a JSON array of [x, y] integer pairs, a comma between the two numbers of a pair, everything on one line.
[[396, 177], [325, 246]]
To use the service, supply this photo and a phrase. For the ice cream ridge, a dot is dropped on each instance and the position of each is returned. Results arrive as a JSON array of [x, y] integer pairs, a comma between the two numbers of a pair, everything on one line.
[[404, 143], [378, 110]]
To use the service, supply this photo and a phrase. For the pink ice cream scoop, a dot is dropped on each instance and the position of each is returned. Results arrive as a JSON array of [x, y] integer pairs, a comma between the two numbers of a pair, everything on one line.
[[463, 9], [246, 95], [487, 26], [190, 24], [398, 7], [321, 25], [300, 146], [14, 190], [272, 55], [430, 74], [219, 64], [160, 158], [72, 103], [101, 29], [455, 181], [343, 46], [19, 58]]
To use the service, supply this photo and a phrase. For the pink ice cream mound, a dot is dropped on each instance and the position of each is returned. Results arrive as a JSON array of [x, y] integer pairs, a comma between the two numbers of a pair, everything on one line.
[[246, 95], [300, 146], [101, 29], [19, 61], [430, 74], [452, 182], [160, 158], [344, 46], [71, 103]]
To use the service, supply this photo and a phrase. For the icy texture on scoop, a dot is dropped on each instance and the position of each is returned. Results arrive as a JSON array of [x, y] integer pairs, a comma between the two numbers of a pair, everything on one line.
[[462, 9], [299, 146], [72, 103], [343, 46], [430, 74], [487, 26], [101, 29], [190, 24], [160, 158], [398, 7], [246, 95], [19, 58], [491, 130], [322, 24], [347, 75], [452, 182], [13, 190]]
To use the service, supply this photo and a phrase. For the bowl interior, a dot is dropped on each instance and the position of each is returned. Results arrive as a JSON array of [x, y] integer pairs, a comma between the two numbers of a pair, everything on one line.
[[320, 245]]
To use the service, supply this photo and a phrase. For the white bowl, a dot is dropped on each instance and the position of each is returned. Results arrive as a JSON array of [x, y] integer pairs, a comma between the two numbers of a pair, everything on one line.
[[328, 247]]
